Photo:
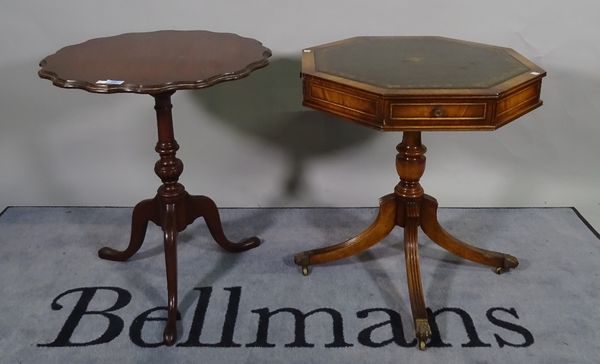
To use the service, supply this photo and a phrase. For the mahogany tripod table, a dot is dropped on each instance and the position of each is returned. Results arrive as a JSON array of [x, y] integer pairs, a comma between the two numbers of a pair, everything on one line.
[[415, 84], [158, 64]]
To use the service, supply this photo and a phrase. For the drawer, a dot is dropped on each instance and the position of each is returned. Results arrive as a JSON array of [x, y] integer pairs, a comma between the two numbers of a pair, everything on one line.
[[441, 111]]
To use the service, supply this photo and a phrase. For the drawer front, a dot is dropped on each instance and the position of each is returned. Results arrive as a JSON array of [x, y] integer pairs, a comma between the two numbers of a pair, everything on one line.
[[438, 111]]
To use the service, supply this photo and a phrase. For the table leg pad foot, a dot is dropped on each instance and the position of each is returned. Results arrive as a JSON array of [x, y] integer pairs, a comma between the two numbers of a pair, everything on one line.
[[169, 334], [112, 254]]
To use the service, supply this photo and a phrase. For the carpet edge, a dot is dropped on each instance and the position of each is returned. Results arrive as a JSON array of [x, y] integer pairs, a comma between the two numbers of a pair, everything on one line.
[[586, 223]]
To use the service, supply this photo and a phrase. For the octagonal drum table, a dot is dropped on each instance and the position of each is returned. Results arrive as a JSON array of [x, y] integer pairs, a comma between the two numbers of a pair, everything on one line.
[[158, 64], [414, 84]]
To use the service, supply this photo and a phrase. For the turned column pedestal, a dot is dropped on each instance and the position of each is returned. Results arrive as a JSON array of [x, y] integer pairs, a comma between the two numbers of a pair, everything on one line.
[[409, 208], [172, 209]]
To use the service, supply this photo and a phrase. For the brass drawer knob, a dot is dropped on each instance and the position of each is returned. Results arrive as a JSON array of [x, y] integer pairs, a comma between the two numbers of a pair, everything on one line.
[[437, 112]]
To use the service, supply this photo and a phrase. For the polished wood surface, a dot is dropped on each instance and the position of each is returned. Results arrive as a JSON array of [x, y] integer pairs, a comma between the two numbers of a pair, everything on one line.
[[410, 208], [425, 91], [158, 63], [154, 62], [435, 83], [417, 63], [172, 209]]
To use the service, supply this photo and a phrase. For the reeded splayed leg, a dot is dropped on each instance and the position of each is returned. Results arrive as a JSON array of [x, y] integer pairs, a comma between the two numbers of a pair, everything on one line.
[[379, 229], [433, 229], [410, 165], [413, 274]]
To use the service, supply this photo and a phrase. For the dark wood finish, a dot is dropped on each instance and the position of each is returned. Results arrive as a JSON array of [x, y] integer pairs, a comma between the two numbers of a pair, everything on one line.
[[490, 102], [159, 63], [155, 62], [172, 209], [511, 89]]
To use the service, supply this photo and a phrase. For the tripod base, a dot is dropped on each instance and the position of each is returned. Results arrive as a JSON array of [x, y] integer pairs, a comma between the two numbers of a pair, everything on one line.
[[172, 209], [173, 218]]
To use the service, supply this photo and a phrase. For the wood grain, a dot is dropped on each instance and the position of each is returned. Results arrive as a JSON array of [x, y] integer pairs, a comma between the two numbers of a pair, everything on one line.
[[154, 62], [396, 108], [408, 207]]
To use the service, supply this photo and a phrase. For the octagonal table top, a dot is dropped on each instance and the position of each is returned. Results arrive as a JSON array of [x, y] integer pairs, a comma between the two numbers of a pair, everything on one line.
[[412, 83], [154, 62], [419, 62]]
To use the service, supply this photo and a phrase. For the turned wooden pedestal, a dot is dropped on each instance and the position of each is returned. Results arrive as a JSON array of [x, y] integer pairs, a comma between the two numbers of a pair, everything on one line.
[[172, 209], [409, 208]]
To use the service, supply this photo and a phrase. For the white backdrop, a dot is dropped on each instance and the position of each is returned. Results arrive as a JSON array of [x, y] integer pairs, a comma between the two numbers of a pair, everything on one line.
[[68, 147]]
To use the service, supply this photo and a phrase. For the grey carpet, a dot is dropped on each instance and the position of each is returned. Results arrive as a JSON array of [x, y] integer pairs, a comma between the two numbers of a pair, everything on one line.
[[546, 311]]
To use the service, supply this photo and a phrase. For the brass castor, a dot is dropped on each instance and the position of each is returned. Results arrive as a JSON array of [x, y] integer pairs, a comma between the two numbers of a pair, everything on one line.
[[422, 332], [305, 270], [500, 270]]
